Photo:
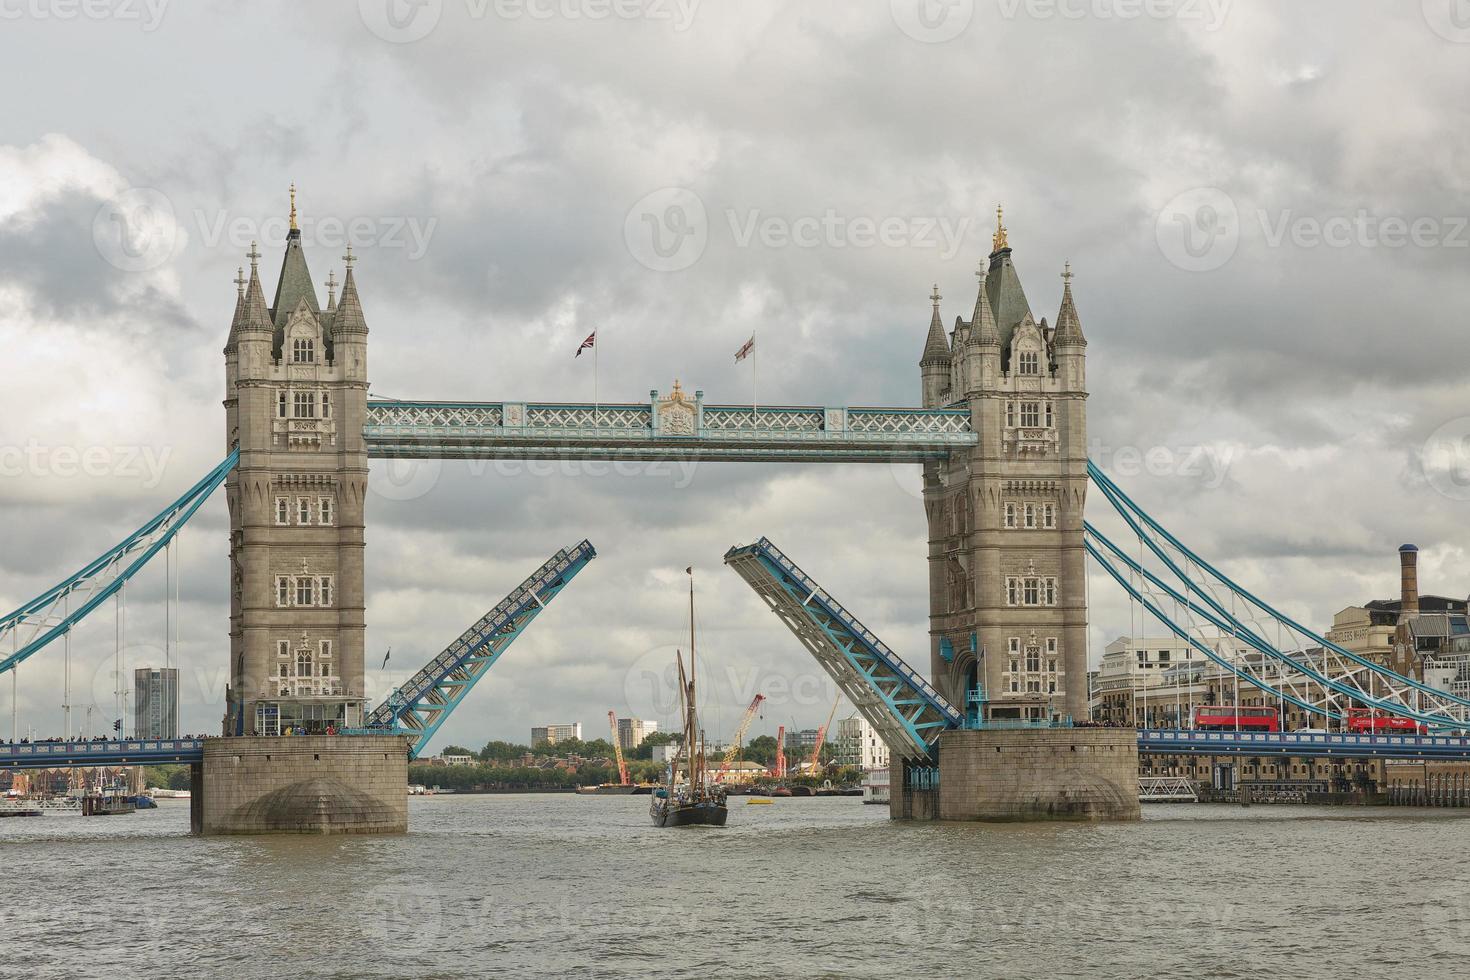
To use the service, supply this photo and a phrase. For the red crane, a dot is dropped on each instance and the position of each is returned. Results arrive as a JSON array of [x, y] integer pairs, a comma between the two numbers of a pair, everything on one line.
[[822, 737]]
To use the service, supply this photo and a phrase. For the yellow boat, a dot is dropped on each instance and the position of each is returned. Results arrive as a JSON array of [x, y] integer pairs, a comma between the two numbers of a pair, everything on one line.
[[757, 801]]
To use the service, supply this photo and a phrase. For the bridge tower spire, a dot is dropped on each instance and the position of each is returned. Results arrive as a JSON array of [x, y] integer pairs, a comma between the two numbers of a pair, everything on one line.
[[295, 404], [934, 364]]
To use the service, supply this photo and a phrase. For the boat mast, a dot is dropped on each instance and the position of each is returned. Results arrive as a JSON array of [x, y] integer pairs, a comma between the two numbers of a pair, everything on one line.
[[695, 777]]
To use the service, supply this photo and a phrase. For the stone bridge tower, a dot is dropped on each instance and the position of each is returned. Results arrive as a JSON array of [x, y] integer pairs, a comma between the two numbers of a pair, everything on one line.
[[1007, 579], [295, 401]]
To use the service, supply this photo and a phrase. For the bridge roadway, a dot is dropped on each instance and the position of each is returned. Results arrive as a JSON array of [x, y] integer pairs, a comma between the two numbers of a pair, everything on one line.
[[1452, 748], [114, 752], [1303, 744]]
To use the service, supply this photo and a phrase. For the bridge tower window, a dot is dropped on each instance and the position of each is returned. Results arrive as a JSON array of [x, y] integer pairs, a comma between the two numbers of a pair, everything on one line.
[[324, 510], [304, 404], [1010, 515], [303, 351], [1030, 362], [283, 511], [305, 591], [303, 510]]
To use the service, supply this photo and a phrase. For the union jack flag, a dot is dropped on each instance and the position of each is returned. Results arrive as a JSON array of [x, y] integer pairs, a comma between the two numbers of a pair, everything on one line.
[[745, 348], [591, 341]]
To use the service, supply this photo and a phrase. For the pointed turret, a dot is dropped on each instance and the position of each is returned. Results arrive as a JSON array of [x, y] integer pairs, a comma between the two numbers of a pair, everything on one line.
[[1069, 325], [934, 365], [256, 317], [348, 318], [982, 322], [936, 346], [232, 343]]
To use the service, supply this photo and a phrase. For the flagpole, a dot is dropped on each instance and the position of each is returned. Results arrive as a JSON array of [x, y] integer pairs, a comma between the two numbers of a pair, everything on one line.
[[596, 405], [754, 389]]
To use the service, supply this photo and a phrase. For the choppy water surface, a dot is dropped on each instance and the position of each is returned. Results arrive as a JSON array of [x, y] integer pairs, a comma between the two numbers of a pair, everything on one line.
[[542, 886]]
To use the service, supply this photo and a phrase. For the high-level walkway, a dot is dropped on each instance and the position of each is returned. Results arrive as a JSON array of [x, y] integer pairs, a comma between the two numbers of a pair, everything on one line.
[[663, 429]]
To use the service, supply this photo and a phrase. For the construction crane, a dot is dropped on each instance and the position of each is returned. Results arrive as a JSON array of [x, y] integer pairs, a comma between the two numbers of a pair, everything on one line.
[[734, 748], [822, 737], [612, 723], [780, 772]]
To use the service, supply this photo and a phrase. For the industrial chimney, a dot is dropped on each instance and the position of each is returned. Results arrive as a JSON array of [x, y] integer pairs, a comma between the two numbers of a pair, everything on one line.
[[1409, 579]]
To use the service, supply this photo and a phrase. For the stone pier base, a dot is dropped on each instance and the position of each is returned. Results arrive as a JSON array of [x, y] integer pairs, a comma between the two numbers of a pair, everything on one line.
[[1040, 774], [308, 784]]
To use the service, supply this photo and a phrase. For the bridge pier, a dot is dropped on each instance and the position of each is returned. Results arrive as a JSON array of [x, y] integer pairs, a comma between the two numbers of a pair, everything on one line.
[[1084, 774], [303, 784]]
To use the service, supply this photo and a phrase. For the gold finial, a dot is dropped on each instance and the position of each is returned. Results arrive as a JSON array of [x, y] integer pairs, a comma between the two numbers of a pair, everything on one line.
[[293, 206], [935, 297], [999, 241]]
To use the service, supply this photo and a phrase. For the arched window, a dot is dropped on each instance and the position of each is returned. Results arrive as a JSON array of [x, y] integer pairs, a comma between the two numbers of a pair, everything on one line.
[[1030, 362], [303, 662], [303, 351]]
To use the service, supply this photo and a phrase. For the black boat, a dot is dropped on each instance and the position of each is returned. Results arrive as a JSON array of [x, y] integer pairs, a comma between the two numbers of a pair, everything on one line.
[[697, 800], [702, 811]]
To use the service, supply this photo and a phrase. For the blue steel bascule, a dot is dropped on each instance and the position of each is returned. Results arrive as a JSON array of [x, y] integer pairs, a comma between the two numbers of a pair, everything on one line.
[[421, 705], [998, 347]]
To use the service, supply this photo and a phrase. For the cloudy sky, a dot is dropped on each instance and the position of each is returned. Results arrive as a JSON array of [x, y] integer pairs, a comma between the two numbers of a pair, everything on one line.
[[1264, 204]]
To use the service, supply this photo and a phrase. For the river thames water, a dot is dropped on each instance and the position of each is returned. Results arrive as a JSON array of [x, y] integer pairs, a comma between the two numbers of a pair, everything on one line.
[[546, 886]]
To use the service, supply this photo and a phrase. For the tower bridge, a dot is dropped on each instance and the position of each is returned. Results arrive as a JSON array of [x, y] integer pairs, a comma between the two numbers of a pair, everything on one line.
[[1000, 434]]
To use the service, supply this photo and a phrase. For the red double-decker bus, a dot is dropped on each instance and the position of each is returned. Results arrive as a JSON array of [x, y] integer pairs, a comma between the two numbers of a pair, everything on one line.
[[1230, 717], [1376, 720]]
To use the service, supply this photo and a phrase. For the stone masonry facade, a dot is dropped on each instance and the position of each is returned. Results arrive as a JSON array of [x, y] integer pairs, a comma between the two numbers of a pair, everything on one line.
[[1007, 577], [303, 785], [295, 402]]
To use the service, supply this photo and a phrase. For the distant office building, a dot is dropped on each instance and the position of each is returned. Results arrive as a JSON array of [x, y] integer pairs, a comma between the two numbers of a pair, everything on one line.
[[632, 731], [856, 743], [802, 741], [458, 760], [551, 734], [156, 702], [665, 752]]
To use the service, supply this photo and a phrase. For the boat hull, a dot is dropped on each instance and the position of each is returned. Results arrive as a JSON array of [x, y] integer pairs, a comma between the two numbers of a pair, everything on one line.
[[689, 814]]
